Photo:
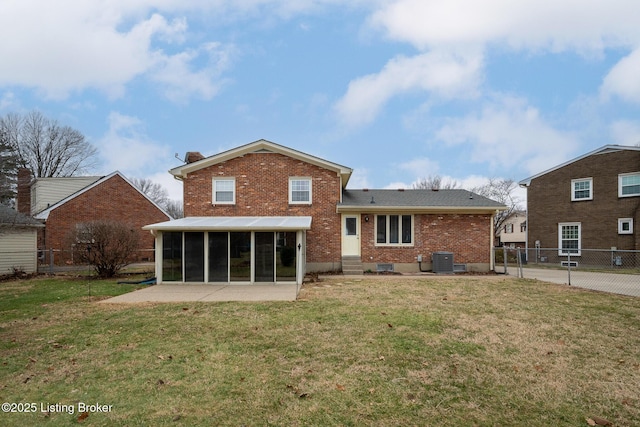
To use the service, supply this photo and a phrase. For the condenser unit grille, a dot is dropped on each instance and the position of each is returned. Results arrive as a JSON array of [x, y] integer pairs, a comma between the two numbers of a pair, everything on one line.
[[442, 262]]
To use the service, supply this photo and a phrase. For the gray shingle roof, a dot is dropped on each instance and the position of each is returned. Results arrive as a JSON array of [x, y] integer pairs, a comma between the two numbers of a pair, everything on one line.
[[12, 218], [416, 199]]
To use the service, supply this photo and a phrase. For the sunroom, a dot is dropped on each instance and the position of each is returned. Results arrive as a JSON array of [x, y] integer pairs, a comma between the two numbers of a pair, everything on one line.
[[236, 250]]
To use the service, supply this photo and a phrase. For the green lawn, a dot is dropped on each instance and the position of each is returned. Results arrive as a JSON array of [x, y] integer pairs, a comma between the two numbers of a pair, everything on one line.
[[477, 351]]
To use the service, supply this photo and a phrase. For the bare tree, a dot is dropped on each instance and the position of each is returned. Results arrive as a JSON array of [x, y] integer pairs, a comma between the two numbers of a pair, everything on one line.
[[8, 171], [108, 246], [153, 190], [501, 190], [174, 208], [435, 182], [45, 147]]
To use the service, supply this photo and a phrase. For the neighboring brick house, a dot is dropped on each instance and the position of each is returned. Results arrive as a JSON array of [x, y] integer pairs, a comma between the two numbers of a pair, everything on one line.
[[63, 203], [513, 232], [263, 212], [591, 202]]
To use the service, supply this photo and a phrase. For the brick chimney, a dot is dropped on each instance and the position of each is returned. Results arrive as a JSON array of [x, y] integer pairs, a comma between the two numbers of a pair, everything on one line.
[[23, 199], [193, 156]]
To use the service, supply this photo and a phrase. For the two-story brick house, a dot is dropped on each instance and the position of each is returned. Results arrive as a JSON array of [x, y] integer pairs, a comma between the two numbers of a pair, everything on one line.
[[590, 202], [263, 212]]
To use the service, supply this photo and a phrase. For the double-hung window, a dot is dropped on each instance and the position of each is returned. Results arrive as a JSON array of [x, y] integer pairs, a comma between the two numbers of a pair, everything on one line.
[[394, 230], [569, 238], [224, 191], [581, 189], [300, 191], [629, 184]]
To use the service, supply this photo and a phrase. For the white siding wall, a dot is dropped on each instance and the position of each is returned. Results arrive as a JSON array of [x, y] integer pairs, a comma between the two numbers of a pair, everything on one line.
[[18, 248], [47, 191]]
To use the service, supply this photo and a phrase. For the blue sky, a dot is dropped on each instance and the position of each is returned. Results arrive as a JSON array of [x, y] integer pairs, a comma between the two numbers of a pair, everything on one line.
[[395, 89]]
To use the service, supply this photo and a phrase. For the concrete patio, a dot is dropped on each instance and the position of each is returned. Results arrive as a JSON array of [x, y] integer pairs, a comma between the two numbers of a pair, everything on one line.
[[186, 292]]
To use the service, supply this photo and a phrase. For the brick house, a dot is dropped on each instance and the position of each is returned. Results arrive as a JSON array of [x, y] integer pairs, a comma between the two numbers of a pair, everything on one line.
[[590, 202], [63, 203], [263, 212]]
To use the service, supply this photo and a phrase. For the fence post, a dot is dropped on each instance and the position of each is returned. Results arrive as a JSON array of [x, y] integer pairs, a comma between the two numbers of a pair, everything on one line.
[[504, 256], [569, 266], [520, 272], [51, 261]]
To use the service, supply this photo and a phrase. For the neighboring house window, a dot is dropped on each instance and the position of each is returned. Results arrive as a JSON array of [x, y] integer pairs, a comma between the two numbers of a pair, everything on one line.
[[523, 227], [569, 238], [300, 191], [629, 185], [224, 191], [582, 189], [508, 228], [83, 233], [394, 230], [625, 225]]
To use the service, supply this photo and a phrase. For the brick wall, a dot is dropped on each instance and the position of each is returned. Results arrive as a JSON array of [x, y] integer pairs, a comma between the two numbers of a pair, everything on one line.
[[262, 189], [114, 199], [467, 236], [549, 203]]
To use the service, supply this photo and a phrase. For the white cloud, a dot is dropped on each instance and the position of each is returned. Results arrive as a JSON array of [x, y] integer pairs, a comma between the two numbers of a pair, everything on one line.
[[453, 37], [421, 167], [70, 45], [625, 132], [181, 82], [127, 148], [507, 133], [444, 74], [359, 178], [623, 79], [523, 24]]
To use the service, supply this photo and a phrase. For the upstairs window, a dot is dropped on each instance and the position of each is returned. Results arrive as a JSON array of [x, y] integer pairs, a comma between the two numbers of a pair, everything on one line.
[[224, 191], [300, 191], [581, 189], [629, 185]]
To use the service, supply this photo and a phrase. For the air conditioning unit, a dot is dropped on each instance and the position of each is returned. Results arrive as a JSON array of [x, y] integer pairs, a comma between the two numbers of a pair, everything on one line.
[[442, 262]]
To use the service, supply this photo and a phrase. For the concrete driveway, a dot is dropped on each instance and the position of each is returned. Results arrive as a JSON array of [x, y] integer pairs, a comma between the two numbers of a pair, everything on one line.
[[623, 284], [186, 293]]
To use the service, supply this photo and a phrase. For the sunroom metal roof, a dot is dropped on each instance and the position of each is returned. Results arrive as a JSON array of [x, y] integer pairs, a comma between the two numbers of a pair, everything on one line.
[[234, 223]]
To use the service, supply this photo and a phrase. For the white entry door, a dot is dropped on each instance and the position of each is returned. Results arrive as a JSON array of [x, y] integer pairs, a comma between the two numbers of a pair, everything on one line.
[[350, 235]]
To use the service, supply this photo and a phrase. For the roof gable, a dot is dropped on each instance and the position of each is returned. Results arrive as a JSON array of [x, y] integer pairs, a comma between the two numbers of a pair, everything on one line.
[[44, 215], [602, 150], [261, 146]]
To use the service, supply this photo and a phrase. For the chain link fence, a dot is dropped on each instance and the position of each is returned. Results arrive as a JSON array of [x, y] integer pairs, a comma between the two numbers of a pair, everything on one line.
[[614, 271]]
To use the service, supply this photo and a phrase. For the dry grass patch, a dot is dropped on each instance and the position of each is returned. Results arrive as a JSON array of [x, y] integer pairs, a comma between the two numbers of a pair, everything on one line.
[[384, 351]]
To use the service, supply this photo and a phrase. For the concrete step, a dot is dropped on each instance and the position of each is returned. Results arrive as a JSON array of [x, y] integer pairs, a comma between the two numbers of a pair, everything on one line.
[[352, 266]]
